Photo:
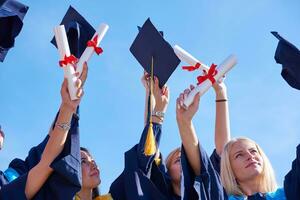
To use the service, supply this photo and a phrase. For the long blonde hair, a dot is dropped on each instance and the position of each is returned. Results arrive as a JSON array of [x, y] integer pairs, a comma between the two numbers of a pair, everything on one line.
[[267, 181]]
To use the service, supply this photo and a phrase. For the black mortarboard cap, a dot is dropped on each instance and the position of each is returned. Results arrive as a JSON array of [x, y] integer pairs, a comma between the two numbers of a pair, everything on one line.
[[289, 56], [161, 32], [150, 43], [78, 30], [12, 14]]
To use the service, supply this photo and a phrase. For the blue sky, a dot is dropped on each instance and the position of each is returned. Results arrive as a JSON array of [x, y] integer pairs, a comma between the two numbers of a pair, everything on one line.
[[262, 105]]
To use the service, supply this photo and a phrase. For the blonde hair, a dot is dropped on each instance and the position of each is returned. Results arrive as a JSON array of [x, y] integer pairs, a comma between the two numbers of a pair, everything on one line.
[[267, 181], [171, 155]]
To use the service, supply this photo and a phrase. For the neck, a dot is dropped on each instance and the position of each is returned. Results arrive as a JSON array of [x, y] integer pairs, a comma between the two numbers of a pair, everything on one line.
[[250, 187], [85, 194], [176, 188]]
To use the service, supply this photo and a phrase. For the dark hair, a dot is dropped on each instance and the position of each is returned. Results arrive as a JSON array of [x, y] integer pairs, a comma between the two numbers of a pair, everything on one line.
[[96, 189]]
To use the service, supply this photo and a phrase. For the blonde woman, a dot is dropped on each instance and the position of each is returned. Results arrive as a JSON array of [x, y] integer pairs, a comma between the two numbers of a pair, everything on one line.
[[247, 173]]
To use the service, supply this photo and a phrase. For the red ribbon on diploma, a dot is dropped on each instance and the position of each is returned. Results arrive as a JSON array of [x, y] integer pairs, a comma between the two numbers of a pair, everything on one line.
[[210, 75], [93, 43], [191, 68], [68, 60]]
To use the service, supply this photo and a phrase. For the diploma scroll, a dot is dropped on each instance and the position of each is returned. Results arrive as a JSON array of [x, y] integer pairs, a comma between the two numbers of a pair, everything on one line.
[[188, 58], [88, 52], [222, 69], [65, 55]]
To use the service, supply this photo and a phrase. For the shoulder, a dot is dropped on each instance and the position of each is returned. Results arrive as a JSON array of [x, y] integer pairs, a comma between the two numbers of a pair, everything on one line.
[[278, 194]]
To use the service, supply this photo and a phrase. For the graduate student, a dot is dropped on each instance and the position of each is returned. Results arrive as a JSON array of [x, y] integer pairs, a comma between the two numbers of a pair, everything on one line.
[[90, 179], [143, 174], [246, 171], [50, 170]]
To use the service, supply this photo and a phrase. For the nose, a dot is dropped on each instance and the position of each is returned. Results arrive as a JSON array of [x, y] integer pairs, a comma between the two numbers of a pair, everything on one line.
[[249, 155], [93, 165]]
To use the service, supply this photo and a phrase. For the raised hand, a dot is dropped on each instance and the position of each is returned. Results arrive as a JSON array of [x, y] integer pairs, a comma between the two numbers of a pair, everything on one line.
[[186, 114]]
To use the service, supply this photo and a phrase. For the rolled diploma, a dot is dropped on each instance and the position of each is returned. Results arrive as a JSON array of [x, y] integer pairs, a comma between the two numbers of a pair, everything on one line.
[[188, 58], [64, 50], [88, 52], [222, 69]]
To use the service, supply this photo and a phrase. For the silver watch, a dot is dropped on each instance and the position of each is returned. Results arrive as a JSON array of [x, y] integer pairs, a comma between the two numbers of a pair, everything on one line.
[[158, 114]]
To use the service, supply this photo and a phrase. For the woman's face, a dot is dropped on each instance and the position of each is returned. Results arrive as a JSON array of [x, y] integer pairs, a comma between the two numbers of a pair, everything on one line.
[[174, 168], [90, 171], [246, 161]]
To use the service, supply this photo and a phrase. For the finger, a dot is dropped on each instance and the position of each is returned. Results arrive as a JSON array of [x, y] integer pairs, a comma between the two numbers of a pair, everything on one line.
[[156, 82], [156, 85], [167, 92], [78, 83], [181, 98], [196, 100], [178, 103], [64, 85], [192, 87], [79, 92], [84, 72], [186, 91], [77, 74]]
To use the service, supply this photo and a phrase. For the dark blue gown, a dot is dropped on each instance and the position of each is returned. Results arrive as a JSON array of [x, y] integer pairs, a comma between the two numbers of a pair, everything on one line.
[[63, 183]]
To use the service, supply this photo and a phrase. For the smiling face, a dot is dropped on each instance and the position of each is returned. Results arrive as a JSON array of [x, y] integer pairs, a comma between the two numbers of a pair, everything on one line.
[[246, 161], [90, 171]]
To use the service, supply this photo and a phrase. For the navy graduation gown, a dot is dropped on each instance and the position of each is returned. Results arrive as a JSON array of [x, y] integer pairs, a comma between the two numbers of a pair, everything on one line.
[[141, 178], [63, 183], [206, 186], [292, 179]]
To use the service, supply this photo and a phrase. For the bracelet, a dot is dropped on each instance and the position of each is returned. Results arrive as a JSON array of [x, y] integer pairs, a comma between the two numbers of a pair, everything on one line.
[[221, 100], [63, 126], [158, 117]]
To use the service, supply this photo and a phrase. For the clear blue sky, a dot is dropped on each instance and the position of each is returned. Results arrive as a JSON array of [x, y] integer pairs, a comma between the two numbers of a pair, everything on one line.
[[262, 105]]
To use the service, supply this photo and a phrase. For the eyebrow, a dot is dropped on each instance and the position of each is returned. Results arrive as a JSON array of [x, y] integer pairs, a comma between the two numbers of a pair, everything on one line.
[[240, 151]]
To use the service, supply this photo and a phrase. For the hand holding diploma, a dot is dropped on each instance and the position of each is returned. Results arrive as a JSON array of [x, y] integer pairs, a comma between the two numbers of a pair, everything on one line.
[[212, 74]]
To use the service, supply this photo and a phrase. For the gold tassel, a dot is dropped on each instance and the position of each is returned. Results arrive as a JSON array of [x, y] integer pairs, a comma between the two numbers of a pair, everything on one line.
[[150, 144]]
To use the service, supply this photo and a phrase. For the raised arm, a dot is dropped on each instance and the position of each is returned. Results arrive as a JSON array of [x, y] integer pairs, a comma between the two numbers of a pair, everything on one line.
[[222, 126], [187, 131], [39, 174]]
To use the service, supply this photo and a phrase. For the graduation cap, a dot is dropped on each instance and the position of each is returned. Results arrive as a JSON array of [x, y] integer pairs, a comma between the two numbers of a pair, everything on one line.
[[149, 44], [12, 14], [158, 58], [78, 30], [289, 56]]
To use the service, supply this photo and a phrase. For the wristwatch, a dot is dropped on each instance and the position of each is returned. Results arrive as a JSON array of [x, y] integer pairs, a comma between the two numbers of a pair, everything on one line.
[[159, 114]]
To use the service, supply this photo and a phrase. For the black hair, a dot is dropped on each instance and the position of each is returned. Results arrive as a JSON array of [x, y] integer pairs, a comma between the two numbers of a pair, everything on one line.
[[96, 189]]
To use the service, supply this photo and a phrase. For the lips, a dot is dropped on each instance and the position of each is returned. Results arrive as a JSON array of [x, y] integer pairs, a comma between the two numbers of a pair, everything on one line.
[[252, 163], [94, 173]]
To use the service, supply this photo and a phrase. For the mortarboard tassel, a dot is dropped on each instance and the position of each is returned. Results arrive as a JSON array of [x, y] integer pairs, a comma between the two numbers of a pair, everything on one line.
[[150, 145]]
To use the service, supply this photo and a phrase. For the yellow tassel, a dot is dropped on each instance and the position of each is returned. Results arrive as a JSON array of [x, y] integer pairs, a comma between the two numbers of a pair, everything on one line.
[[150, 146], [157, 161]]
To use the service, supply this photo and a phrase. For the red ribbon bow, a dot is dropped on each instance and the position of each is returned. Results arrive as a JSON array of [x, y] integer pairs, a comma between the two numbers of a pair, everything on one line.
[[210, 75], [93, 43], [191, 68], [68, 60]]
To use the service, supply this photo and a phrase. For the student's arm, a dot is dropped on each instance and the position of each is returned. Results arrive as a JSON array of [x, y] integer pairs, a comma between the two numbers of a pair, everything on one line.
[[222, 126], [187, 131], [39, 174]]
